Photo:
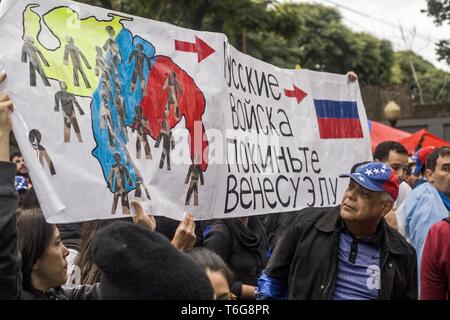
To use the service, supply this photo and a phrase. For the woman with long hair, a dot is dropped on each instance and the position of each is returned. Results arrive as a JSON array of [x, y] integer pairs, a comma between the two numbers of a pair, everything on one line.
[[89, 272]]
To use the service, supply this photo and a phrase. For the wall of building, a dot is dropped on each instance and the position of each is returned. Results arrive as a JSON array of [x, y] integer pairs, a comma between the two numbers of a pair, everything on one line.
[[434, 117]]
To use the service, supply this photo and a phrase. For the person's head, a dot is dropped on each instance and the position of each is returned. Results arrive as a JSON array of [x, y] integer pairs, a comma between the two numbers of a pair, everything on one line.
[[110, 31], [218, 272], [63, 85], [28, 39], [21, 187], [69, 40], [34, 136], [370, 195], [90, 274], [394, 154], [21, 168], [119, 100], [117, 157], [138, 110], [438, 169], [137, 263], [44, 264], [164, 124], [421, 160], [418, 166], [99, 51], [30, 201], [105, 98]]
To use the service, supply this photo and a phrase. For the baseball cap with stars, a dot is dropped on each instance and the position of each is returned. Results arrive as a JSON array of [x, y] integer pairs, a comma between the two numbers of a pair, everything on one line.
[[376, 176]]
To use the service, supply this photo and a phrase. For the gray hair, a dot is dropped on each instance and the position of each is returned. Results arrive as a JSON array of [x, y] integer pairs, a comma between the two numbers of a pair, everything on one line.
[[386, 197]]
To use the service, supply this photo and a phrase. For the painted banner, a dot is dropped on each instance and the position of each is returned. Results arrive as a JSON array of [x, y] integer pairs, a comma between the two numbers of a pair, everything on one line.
[[111, 107]]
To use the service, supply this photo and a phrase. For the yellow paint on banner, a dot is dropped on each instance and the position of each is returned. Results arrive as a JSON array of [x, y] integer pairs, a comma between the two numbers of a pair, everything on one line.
[[86, 33]]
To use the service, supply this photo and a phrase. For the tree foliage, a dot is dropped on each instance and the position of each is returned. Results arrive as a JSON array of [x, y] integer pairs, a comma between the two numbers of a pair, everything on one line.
[[440, 11], [286, 34], [315, 37], [434, 82], [226, 16]]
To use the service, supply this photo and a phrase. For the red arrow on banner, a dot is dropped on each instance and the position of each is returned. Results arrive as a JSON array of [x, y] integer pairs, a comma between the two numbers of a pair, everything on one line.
[[200, 47], [296, 93]]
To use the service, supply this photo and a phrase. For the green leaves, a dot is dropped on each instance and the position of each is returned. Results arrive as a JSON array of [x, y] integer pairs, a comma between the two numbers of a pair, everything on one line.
[[440, 11], [433, 81], [313, 36]]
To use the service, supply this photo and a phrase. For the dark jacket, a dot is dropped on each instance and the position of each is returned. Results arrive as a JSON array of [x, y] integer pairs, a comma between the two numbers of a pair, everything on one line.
[[70, 234], [243, 248], [81, 292], [305, 260], [275, 224], [10, 258]]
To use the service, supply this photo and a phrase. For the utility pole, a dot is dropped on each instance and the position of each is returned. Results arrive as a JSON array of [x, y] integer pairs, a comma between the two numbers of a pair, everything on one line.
[[244, 41], [408, 45]]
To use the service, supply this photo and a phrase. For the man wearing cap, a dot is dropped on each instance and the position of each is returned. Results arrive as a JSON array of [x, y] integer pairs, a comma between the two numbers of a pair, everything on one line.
[[427, 204], [345, 252], [21, 185], [420, 159]]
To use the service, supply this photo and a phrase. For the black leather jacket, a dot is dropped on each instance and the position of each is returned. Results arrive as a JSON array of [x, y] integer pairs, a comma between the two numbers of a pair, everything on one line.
[[306, 258]]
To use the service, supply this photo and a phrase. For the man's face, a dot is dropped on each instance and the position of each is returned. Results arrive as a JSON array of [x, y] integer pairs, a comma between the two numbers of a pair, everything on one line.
[[362, 205], [20, 165], [399, 163], [440, 178]]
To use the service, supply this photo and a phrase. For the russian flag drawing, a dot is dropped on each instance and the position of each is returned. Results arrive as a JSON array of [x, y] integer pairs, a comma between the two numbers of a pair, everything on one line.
[[338, 119]]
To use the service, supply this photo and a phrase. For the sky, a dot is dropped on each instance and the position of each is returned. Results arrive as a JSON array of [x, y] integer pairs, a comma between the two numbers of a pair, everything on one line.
[[382, 19]]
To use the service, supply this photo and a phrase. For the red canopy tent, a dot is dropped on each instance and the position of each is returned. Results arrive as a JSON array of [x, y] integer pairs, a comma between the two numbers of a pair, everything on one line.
[[424, 138], [380, 132]]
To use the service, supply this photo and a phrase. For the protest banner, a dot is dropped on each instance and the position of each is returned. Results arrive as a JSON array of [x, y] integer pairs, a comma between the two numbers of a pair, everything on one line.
[[111, 107]]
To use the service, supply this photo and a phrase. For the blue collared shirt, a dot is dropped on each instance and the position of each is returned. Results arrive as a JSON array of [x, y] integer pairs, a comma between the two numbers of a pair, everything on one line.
[[358, 270]]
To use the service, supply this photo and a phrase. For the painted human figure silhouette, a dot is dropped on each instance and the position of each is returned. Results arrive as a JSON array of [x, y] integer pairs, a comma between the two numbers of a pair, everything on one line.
[[118, 176], [173, 90], [32, 55], [101, 66], [121, 114], [72, 51], [34, 136], [140, 125], [168, 143], [115, 54], [102, 70], [67, 102], [139, 58], [194, 174], [139, 179], [106, 119]]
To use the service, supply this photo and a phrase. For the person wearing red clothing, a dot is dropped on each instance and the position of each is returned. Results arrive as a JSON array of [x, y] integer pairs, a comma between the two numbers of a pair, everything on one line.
[[435, 271]]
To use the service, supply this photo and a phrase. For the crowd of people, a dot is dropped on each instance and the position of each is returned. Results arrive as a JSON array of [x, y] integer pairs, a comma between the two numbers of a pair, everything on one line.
[[389, 238]]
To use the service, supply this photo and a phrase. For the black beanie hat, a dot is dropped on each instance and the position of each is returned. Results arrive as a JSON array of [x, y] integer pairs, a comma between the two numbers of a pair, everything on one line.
[[140, 264]]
